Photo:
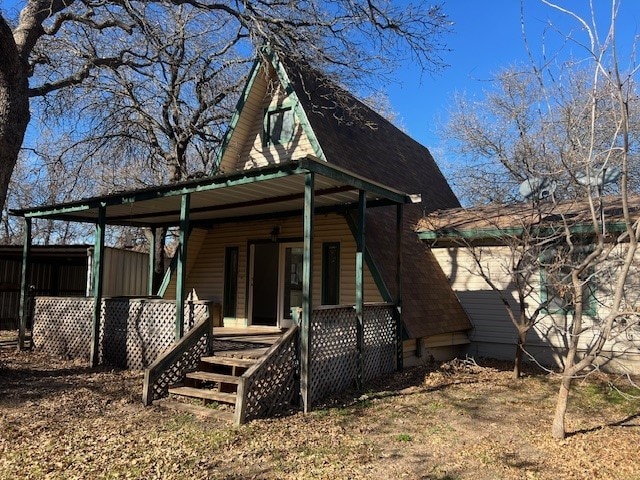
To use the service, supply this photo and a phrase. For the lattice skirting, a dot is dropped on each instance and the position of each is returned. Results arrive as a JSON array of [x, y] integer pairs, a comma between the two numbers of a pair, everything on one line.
[[334, 349], [133, 332]]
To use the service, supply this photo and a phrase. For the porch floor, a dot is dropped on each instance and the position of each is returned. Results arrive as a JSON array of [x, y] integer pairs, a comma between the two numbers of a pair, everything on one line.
[[244, 342]]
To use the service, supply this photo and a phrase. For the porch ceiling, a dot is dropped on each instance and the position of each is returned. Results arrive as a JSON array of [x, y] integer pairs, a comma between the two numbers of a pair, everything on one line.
[[263, 191]]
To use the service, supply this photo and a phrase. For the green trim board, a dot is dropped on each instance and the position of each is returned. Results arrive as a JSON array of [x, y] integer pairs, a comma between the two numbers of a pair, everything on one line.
[[200, 185], [307, 293], [370, 262], [499, 233], [293, 103], [98, 271], [167, 276], [24, 283], [356, 181], [344, 179], [152, 260], [181, 268], [297, 106], [236, 115]]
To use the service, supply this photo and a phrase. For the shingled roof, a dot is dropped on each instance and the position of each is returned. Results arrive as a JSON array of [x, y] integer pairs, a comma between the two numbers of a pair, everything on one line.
[[494, 222], [355, 137]]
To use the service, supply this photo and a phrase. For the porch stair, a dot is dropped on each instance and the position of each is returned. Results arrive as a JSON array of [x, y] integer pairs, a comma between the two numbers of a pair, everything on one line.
[[215, 381]]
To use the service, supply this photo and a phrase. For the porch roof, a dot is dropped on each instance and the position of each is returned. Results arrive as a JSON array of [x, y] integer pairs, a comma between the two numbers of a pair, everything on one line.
[[276, 189]]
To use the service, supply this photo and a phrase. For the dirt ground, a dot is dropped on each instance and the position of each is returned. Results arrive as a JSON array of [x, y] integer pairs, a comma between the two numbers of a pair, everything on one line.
[[60, 419]]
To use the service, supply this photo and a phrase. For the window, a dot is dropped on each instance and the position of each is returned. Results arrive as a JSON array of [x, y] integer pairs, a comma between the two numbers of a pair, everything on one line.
[[330, 273], [230, 281], [555, 283], [279, 126]]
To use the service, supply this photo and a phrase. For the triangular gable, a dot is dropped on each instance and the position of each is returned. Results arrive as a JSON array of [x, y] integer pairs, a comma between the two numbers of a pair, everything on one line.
[[358, 139], [268, 105]]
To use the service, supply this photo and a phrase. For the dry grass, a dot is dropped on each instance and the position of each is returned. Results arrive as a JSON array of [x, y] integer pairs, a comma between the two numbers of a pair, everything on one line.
[[59, 419]]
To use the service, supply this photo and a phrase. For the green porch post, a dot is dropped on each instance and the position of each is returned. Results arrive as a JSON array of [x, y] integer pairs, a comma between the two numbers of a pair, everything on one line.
[[307, 303], [399, 230], [98, 268], [152, 261], [360, 243], [24, 283], [181, 268]]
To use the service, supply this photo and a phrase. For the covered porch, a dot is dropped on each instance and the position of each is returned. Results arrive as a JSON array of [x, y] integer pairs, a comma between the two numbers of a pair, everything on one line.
[[302, 188]]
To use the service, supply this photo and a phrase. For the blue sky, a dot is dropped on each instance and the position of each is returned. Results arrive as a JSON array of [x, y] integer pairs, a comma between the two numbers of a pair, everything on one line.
[[487, 37]]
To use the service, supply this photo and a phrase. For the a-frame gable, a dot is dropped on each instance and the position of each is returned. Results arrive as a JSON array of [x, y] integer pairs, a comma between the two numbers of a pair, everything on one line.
[[267, 98]]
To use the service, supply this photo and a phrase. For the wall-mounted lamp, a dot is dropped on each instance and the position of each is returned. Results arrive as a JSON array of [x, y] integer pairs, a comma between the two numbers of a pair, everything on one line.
[[275, 231]]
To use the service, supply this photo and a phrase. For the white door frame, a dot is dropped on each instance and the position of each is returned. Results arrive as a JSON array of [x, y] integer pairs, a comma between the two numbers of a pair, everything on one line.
[[284, 321], [281, 320]]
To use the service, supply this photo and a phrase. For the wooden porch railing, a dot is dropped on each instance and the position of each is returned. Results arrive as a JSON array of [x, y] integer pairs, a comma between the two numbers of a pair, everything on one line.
[[170, 367], [271, 386]]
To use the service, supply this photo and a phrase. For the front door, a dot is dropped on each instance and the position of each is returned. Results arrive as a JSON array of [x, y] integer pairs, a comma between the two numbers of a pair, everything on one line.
[[276, 283], [264, 284]]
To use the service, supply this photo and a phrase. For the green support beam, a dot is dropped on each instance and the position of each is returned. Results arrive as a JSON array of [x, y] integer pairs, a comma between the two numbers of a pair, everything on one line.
[[307, 289], [181, 267], [399, 230], [152, 261], [98, 269], [360, 247], [24, 284]]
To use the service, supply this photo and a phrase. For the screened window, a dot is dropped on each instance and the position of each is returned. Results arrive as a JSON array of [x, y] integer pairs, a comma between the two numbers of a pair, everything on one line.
[[230, 281], [331, 273], [279, 126]]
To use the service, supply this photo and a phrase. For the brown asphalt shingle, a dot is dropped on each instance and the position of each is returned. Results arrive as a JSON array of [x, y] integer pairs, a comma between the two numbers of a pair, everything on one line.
[[356, 138]]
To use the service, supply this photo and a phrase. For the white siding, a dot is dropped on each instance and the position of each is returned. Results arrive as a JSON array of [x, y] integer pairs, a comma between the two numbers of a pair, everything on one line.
[[493, 333]]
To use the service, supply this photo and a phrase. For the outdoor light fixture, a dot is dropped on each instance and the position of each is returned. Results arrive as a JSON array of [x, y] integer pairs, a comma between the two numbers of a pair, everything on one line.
[[275, 231]]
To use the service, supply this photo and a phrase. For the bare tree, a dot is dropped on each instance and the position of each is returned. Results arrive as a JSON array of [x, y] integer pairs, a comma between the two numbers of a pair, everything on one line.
[[55, 44], [574, 124], [506, 257]]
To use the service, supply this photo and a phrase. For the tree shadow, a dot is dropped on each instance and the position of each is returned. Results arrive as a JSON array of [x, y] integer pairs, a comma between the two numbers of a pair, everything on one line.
[[623, 423]]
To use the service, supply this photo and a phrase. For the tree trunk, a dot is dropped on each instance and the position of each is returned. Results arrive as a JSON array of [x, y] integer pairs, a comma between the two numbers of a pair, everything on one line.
[[517, 364], [158, 267], [557, 430], [14, 106]]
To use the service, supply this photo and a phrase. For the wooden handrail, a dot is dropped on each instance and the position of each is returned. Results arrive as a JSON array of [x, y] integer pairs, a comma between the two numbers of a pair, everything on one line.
[[174, 354], [241, 398]]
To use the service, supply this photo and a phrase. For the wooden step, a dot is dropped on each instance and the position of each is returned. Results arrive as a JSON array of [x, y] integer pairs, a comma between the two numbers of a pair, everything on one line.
[[212, 377], [204, 394], [229, 361], [247, 353]]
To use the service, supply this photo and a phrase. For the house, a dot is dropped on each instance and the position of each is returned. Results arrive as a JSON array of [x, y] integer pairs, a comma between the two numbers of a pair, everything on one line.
[[65, 271], [310, 212], [493, 236]]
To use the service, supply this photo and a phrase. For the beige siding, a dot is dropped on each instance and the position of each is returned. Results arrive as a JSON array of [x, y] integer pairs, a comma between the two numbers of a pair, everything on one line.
[[484, 307], [494, 334], [206, 277], [245, 149], [196, 239]]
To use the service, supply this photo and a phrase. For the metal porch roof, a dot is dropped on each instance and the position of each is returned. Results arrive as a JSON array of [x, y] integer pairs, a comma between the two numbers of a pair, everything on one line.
[[272, 190]]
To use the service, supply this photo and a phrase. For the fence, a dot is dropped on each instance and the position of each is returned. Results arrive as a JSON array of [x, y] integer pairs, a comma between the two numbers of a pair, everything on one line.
[[133, 332]]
